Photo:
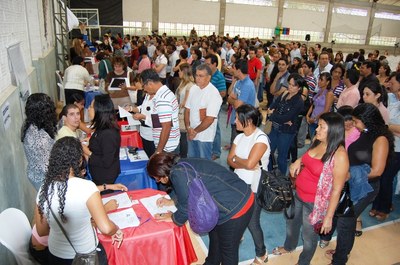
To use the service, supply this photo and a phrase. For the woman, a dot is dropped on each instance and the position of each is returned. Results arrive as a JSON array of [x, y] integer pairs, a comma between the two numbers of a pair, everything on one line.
[[294, 68], [76, 49], [348, 64], [103, 151], [243, 53], [339, 58], [160, 64], [374, 148], [350, 96], [383, 74], [322, 102], [76, 77], [320, 176], [119, 95], [145, 62], [232, 196], [105, 65], [283, 113], [143, 113], [182, 93], [73, 201], [374, 93], [183, 54], [248, 149], [37, 135], [196, 61], [337, 83]]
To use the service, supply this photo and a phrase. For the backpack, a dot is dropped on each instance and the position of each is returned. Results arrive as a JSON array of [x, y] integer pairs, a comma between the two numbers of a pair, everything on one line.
[[203, 213], [275, 192]]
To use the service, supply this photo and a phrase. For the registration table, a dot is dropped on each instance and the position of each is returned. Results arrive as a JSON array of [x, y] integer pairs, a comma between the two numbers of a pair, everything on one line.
[[130, 138], [134, 175], [151, 242]]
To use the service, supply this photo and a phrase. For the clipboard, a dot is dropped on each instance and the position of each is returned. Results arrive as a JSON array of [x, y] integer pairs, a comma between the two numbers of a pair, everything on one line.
[[155, 121], [117, 82]]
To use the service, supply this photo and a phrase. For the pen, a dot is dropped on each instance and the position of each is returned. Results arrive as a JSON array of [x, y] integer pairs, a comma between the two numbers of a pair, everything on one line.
[[148, 219]]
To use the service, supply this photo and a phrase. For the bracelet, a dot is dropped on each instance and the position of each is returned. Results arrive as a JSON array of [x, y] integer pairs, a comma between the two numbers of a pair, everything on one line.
[[105, 186]]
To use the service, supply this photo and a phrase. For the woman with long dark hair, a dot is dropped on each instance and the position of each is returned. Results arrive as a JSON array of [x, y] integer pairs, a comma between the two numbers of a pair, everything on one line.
[[248, 149], [319, 175], [103, 151], [37, 135], [72, 200], [375, 94], [374, 148], [232, 196]]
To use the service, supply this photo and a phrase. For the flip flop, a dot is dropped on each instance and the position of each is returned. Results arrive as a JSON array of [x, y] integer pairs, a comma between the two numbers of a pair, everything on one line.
[[280, 251]]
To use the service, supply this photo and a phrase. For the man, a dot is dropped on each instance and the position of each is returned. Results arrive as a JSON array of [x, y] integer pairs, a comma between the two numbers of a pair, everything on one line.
[[201, 112], [280, 83], [242, 91], [295, 52], [367, 73], [214, 50], [71, 117], [254, 66], [229, 51], [218, 80], [151, 49], [323, 65], [127, 50], [317, 48], [173, 56], [260, 85], [164, 115], [272, 71]]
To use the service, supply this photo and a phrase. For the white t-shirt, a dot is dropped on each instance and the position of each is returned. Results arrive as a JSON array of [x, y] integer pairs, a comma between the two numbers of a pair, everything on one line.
[[207, 98], [78, 226], [244, 144], [161, 59]]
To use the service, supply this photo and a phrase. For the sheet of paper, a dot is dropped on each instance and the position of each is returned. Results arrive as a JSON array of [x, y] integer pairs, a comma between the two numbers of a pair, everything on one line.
[[123, 154], [123, 113], [122, 198], [132, 121], [125, 218], [150, 204], [140, 156]]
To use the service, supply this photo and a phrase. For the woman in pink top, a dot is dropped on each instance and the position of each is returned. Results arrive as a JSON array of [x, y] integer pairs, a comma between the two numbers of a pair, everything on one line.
[[145, 62], [317, 194], [374, 93]]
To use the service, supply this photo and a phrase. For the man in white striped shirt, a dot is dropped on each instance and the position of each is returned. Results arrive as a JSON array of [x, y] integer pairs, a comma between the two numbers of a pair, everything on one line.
[[164, 116]]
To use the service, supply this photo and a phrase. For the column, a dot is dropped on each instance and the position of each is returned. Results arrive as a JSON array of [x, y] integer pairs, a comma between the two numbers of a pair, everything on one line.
[[222, 12], [328, 21], [280, 16], [370, 23], [155, 17]]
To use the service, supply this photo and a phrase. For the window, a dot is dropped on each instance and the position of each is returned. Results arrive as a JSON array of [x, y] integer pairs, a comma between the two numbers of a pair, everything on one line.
[[137, 28], [350, 11], [180, 29], [347, 38], [304, 6], [253, 2], [387, 15], [384, 41], [249, 32], [300, 35]]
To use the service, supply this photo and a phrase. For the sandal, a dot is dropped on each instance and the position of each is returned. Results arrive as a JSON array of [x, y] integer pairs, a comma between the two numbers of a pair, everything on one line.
[[372, 213], [329, 254], [323, 243], [260, 260], [358, 233], [280, 251], [381, 216]]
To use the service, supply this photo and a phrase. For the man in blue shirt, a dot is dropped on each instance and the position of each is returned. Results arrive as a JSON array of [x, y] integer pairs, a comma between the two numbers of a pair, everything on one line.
[[243, 92], [218, 80]]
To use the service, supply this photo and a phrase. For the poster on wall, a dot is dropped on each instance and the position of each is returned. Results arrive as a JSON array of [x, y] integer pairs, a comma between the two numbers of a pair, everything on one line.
[[18, 70]]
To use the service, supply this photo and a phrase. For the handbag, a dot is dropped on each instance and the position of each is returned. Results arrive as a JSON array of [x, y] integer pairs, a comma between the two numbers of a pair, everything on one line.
[[275, 192], [345, 206], [90, 258], [203, 213]]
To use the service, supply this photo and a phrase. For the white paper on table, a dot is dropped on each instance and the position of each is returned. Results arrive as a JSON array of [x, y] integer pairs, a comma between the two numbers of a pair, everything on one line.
[[151, 206], [141, 156], [122, 154], [122, 198], [125, 218]]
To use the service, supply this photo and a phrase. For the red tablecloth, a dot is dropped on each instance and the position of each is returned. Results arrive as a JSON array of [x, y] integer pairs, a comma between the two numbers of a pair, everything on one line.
[[151, 242], [130, 138]]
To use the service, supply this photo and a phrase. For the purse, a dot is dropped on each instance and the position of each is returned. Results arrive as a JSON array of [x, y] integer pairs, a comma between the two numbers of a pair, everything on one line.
[[345, 206], [203, 213], [275, 192], [80, 258]]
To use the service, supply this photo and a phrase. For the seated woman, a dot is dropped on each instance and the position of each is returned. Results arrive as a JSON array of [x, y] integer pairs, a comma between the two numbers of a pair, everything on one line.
[[316, 199], [69, 201], [232, 195]]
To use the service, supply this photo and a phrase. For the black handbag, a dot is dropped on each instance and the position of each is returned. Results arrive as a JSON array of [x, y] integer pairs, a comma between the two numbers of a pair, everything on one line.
[[345, 206], [80, 258], [275, 192]]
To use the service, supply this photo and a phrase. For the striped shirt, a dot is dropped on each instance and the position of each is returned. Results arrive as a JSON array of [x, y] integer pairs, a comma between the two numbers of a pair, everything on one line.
[[312, 83], [166, 107], [218, 80]]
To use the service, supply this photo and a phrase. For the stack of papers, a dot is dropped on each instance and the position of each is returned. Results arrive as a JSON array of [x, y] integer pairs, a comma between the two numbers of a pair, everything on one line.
[[125, 218], [151, 206], [140, 156], [123, 153]]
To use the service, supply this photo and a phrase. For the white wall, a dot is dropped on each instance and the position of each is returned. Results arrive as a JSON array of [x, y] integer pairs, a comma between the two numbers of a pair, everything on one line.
[[386, 27], [189, 11], [137, 10], [304, 20], [247, 15]]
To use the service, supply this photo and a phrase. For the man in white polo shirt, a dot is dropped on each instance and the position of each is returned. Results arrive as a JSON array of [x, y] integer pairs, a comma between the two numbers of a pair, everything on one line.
[[201, 114]]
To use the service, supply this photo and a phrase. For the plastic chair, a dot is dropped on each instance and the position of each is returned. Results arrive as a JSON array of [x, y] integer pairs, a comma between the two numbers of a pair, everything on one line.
[[15, 233], [62, 93]]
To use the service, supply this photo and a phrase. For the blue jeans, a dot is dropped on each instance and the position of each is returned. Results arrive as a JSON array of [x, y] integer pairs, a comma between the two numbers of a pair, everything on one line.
[[346, 227], [199, 149], [216, 147], [282, 142], [256, 230], [225, 240], [310, 239], [311, 130]]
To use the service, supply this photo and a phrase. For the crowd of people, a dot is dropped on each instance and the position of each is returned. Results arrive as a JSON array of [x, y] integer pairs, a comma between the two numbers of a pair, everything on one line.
[[177, 88]]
